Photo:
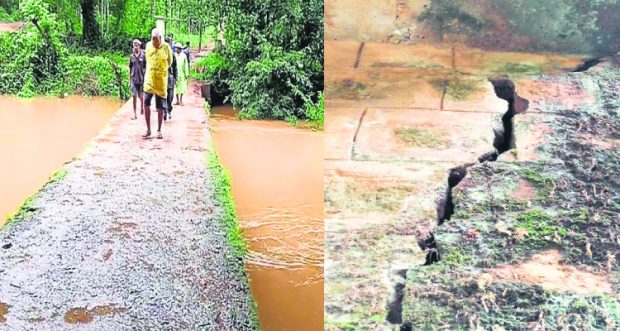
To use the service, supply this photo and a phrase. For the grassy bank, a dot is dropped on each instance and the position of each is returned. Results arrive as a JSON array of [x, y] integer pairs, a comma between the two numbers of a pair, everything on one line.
[[222, 197]]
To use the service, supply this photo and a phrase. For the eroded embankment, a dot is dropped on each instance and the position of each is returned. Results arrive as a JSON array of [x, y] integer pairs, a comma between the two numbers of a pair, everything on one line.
[[504, 141], [521, 240]]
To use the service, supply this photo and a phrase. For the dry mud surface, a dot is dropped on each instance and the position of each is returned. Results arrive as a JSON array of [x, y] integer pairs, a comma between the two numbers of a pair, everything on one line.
[[130, 238]]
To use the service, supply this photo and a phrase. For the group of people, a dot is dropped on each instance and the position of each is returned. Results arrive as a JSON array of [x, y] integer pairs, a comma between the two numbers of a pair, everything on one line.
[[159, 71]]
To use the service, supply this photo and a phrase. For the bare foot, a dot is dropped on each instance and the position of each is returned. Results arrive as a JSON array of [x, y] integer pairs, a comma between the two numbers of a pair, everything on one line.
[[159, 136], [177, 103], [182, 103], [147, 135]]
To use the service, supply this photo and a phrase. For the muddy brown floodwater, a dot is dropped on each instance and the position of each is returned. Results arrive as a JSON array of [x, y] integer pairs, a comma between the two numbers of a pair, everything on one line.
[[277, 180], [38, 136]]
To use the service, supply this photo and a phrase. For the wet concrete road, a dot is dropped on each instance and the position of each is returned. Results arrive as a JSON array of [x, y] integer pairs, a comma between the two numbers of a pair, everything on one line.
[[129, 239]]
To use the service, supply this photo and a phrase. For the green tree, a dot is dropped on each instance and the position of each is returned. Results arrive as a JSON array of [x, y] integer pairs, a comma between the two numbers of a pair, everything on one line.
[[448, 16], [273, 53], [90, 28]]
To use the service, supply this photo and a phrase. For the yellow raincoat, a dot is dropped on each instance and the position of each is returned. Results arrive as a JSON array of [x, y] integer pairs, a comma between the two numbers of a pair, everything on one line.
[[158, 60]]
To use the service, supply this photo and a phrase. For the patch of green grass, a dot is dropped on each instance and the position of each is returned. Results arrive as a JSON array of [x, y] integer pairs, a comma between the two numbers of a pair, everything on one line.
[[362, 197], [457, 87], [539, 225], [412, 64], [462, 89], [417, 137], [455, 257], [516, 69], [348, 89], [223, 196]]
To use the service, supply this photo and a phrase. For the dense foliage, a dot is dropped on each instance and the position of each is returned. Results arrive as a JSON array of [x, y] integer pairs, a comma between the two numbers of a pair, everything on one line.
[[81, 46], [36, 61], [271, 63], [572, 26]]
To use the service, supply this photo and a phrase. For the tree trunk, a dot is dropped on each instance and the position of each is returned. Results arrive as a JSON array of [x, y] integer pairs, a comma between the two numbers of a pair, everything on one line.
[[90, 30], [200, 38]]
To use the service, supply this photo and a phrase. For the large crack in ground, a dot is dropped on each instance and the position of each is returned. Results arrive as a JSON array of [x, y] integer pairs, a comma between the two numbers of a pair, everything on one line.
[[504, 140], [588, 63]]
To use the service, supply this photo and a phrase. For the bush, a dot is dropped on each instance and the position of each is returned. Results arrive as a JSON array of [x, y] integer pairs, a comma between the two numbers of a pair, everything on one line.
[[36, 62], [274, 56], [5, 16], [315, 112], [215, 69], [94, 76]]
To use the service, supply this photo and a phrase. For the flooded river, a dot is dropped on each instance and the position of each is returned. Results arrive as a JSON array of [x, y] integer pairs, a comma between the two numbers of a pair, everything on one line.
[[277, 180], [38, 136]]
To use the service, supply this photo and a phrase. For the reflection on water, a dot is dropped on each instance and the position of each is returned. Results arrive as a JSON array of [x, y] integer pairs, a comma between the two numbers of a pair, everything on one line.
[[38, 136], [277, 179]]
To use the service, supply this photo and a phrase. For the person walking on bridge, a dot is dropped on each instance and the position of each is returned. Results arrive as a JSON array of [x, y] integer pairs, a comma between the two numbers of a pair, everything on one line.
[[158, 60], [172, 80], [183, 68], [137, 66]]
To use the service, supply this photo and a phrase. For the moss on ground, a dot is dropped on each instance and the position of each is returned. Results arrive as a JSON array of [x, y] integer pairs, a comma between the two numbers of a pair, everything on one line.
[[457, 86], [349, 89], [512, 69], [360, 196], [418, 137], [410, 64]]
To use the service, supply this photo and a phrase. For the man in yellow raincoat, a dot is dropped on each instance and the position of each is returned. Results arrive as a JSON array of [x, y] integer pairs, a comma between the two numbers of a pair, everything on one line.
[[158, 59]]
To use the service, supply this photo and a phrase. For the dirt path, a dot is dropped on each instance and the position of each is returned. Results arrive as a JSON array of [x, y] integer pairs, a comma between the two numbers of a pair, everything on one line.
[[129, 239]]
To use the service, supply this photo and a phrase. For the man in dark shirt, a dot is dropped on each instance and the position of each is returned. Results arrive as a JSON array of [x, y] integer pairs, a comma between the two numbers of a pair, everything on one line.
[[137, 67], [172, 80]]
